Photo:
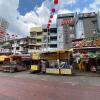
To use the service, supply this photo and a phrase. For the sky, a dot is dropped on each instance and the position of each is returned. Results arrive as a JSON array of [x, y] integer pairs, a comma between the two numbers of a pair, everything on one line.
[[24, 14]]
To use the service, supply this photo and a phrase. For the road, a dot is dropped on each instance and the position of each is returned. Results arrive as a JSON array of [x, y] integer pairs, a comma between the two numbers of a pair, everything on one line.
[[25, 86]]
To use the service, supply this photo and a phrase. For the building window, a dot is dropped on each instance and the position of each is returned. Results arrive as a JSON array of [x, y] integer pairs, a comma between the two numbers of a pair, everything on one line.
[[53, 38], [39, 40], [38, 47], [39, 33], [53, 46], [32, 34], [31, 47], [17, 48], [44, 30], [53, 30]]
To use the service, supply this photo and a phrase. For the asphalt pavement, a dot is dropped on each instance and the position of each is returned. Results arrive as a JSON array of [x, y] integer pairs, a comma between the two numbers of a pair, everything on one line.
[[25, 86]]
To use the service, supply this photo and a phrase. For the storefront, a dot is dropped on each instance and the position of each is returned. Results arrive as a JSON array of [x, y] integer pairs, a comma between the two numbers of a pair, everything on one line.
[[89, 50]]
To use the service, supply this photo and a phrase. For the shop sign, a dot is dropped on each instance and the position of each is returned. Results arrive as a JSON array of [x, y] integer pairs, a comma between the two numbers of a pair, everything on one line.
[[2, 50], [68, 22], [85, 43]]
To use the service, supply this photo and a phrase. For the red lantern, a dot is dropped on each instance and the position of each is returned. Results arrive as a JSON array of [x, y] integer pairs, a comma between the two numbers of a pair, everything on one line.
[[49, 25], [51, 16], [53, 10], [49, 21], [55, 1]]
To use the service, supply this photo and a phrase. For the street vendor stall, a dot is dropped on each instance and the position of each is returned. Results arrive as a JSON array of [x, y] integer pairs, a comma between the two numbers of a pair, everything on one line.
[[3, 59], [13, 64], [58, 62], [35, 63]]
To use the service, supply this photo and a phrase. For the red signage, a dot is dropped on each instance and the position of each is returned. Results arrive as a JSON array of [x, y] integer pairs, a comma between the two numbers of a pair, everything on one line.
[[67, 22]]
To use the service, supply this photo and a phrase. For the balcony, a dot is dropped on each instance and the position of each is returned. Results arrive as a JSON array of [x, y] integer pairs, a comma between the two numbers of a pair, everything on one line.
[[23, 42], [53, 42], [30, 43], [38, 43], [53, 34], [39, 37]]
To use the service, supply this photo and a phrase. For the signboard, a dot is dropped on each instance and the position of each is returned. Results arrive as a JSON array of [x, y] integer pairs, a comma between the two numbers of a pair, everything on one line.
[[68, 22], [86, 14], [86, 43], [35, 56], [2, 50]]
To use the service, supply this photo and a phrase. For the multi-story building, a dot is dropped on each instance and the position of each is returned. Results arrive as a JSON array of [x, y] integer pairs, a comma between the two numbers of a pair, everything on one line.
[[36, 34], [87, 25], [45, 38], [49, 41], [3, 29], [53, 37], [65, 30]]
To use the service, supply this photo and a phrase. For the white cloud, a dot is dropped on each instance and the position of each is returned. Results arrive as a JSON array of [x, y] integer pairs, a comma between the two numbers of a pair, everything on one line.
[[85, 10], [21, 24], [70, 1], [64, 11], [8, 10], [95, 5]]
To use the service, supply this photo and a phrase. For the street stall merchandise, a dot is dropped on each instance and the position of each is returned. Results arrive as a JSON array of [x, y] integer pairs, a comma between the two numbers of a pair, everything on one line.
[[89, 49], [58, 62], [12, 63]]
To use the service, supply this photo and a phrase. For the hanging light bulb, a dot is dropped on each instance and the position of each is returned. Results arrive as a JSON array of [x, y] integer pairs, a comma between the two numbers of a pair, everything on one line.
[[48, 24]]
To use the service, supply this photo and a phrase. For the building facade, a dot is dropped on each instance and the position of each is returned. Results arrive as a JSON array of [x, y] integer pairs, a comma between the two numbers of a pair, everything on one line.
[[87, 25], [36, 34], [65, 30]]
